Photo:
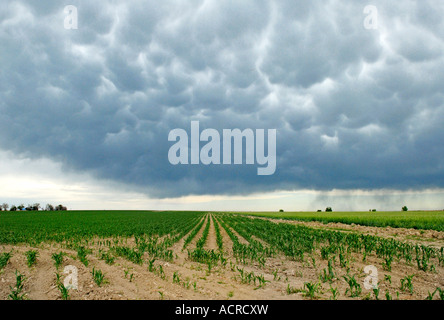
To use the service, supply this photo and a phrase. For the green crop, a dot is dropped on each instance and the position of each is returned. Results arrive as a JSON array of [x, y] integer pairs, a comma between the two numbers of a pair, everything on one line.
[[432, 220], [98, 276], [407, 284], [354, 287], [311, 289], [16, 292], [58, 259], [4, 259], [63, 290], [31, 257]]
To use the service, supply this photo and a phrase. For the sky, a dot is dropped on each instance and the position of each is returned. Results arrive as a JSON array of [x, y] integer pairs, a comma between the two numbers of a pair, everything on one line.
[[354, 90]]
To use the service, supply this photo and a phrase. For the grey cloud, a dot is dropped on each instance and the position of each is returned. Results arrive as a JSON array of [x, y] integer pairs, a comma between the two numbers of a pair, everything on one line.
[[353, 108]]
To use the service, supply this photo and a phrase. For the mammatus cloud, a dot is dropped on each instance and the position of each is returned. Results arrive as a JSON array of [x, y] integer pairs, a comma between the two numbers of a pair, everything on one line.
[[354, 108]]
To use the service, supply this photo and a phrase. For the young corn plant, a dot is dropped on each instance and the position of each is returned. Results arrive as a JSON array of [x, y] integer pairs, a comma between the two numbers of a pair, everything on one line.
[[261, 280], [98, 276], [58, 259], [31, 257], [311, 289], [406, 283], [81, 254], [4, 259], [430, 295], [151, 267], [328, 275], [387, 263], [334, 293], [63, 290], [176, 277], [291, 290], [354, 287], [16, 292], [275, 275], [161, 273], [108, 257], [376, 293], [440, 293]]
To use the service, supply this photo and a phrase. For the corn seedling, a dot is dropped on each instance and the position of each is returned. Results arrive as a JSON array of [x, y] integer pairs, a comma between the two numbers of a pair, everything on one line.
[[406, 283], [440, 293], [81, 254], [430, 295], [63, 290], [16, 292], [387, 264], [109, 259], [291, 290], [4, 259], [98, 276], [354, 287], [176, 277], [151, 267], [388, 296], [376, 293], [275, 276], [334, 293], [58, 259], [31, 257], [311, 289]]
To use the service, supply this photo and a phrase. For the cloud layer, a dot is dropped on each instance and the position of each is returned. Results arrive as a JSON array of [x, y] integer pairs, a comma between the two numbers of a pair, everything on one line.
[[353, 108]]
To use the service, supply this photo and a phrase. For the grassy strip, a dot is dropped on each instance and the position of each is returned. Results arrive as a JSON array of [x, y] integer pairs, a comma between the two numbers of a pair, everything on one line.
[[424, 220]]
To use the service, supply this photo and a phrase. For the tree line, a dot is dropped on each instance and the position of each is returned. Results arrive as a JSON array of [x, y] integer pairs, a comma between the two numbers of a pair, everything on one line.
[[32, 207]]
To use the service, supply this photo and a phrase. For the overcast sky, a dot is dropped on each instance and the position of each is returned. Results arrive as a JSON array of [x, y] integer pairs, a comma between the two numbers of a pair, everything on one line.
[[85, 113]]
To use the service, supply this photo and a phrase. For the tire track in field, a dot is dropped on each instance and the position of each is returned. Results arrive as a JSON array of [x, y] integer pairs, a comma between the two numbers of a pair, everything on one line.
[[211, 243]]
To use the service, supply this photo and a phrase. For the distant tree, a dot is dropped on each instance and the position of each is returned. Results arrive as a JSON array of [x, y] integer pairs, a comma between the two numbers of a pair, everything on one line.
[[13, 208], [49, 207], [373, 210], [36, 207], [328, 209], [21, 207], [405, 208], [5, 206], [60, 208], [281, 210], [319, 210]]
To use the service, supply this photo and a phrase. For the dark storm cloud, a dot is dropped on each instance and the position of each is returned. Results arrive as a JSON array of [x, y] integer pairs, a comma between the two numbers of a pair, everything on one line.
[[353, 108]]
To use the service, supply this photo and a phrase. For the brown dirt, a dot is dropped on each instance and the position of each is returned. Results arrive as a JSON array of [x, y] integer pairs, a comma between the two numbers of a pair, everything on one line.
[[211, 243]]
